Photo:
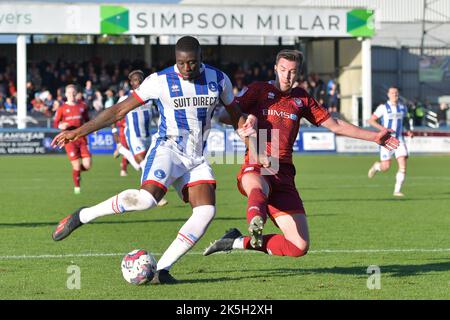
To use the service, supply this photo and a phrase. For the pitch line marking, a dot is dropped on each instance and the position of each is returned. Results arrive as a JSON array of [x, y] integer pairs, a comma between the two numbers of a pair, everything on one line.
[[83, 255]]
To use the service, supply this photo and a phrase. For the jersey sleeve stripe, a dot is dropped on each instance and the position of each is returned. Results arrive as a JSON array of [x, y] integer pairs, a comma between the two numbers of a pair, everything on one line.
[[137, 97]]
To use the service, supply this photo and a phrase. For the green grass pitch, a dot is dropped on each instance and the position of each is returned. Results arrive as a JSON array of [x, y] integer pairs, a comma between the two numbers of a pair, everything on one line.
[[354, 223]]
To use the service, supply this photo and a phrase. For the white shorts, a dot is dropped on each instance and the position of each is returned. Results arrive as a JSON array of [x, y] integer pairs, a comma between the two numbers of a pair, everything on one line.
[[165, 165], [137, 145], [401, 151]]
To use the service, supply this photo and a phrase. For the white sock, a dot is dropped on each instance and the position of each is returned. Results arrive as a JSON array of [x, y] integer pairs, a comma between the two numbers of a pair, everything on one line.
[[188, 235], [129, 156], [128, 200], [399, 178], [377, 166], [238, 243]]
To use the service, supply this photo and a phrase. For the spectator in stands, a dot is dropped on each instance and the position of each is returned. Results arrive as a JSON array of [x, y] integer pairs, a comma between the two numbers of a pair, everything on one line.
[[2, 101], [442, 114], [317, 87], [333, 98], [98, 101], [105, 80], [79, 98], [56, 105], [3, 85], [12, 88], [419, 113], [30, 94], [109, 98], [37, 103], [9, 105], [89, 94], [125, 85], [48, 101], [120, 94]]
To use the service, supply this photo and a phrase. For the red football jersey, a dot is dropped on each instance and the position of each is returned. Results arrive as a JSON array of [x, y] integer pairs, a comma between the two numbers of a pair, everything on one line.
[[74, 115], [283, 111]]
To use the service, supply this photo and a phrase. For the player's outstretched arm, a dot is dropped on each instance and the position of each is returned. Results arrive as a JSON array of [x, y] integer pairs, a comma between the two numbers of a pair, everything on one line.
[[102, 120], [236, 118], [382, 137], [247, 129]]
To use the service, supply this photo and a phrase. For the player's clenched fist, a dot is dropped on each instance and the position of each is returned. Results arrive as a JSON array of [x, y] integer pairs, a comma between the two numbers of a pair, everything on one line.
[[249, 127], [385, 139]]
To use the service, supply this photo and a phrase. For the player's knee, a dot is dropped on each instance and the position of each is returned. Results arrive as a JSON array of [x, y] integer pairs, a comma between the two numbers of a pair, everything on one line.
[[300, 250], [135, 200], [385, 167]]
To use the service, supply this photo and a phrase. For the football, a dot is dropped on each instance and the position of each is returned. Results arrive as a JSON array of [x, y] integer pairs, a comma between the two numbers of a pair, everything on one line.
[[138, 267]]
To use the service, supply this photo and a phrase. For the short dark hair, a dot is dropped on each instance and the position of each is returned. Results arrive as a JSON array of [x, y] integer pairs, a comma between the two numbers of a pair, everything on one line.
[[393, 87], [139, 72], [187, 44], [291, 55]]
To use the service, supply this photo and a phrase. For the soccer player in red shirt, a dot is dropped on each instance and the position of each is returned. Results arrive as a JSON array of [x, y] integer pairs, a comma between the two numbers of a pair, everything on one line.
[[118, 130], [277, 106], [71, 115]]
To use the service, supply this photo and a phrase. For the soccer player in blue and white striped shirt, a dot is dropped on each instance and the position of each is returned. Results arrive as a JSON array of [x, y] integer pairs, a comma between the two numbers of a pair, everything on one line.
[[392, 115], [187, 94], [137, 124]]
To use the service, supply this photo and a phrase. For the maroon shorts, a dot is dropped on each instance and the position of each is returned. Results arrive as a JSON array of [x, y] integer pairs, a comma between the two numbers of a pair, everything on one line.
[[122, 138], [283, 197], [78, 149]]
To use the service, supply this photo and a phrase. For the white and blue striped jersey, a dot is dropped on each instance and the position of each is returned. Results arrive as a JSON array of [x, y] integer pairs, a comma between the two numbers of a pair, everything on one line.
[[138, 120], [391, 117], [186, 107]]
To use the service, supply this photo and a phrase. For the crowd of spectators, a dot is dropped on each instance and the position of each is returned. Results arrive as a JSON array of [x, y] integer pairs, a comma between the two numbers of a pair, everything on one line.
[[102, 84]]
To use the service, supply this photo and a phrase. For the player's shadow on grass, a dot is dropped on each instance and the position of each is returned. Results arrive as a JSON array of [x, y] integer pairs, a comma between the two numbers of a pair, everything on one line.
[[378, 199], [388, 270], [395, 270], [156, 220]]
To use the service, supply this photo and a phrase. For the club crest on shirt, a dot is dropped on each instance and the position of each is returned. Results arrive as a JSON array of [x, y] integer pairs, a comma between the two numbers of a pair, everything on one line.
[[298, 102], [212, 86], [160, 174], [270, 95]]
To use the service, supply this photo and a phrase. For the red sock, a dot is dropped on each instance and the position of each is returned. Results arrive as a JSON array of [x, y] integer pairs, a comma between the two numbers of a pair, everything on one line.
[[256, 205], [277, 245], [124, 163], [76, 177]]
